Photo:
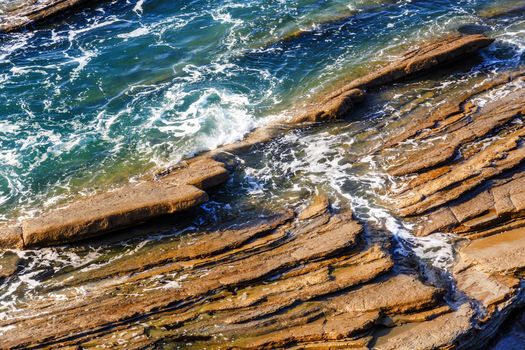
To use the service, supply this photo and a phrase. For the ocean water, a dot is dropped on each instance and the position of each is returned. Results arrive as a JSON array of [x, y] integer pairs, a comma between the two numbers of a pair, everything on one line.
[[122, 89]]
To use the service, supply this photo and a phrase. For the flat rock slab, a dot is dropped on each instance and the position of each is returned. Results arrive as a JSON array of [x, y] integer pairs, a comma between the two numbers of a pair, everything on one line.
[[18, 14], [504, 252], [430, 334], [127, 206], [109, 211]]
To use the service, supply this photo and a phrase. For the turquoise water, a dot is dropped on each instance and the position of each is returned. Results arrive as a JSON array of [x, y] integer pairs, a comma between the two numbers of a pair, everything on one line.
[[124, 88]]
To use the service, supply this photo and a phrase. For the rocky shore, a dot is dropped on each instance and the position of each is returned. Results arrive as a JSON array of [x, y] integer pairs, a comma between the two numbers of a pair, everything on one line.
[[134, 204], [315, 278], [19, 14]]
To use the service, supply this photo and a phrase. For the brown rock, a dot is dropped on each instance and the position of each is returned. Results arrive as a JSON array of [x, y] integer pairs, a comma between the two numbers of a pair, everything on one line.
[[429, 56], [318, 206], [503, 253], [334, 108], [11, 236], [410, 295], [29, 12], [439, 333], [9, 263], [203, 173], [468, 179], [108, 212], [114, 210], [424, 58]]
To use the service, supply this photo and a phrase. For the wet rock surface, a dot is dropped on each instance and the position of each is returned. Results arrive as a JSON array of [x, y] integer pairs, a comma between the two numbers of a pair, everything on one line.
[[420, 60], [462, 173], [183, 188], [8, 264], [270, 282], [22, 13]]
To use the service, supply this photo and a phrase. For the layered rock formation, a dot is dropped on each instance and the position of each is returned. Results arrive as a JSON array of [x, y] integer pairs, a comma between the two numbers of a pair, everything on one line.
[[423, 59], [183, 188], [315, 278], [311, 280], [462, 173], [22, 13], [133, 204]]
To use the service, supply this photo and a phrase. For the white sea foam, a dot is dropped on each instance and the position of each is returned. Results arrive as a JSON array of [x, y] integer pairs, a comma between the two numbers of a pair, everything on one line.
[[138, 7], [135, 33], [320, 161]]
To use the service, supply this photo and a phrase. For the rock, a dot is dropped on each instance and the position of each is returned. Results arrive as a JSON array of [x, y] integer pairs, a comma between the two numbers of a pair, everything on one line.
[[494, 11], [267, 282], [114, 210], [334, 108], [442, 178], [9, 263], [11, 236], [467, 178], [503, 253], [108, 212], [319, 206], [200, 247], [28, 12], [440, 333], [203, 173], [411, 295], [427, 57]]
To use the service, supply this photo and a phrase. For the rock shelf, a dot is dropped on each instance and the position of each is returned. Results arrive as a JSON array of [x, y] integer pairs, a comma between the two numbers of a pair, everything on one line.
[[184, 188], [130, 205], [274, 281], [24, 13], [423, 59], [462, 173]]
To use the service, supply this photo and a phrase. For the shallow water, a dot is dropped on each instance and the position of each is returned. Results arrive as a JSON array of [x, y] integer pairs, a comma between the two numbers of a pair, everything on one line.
[[125, 88]]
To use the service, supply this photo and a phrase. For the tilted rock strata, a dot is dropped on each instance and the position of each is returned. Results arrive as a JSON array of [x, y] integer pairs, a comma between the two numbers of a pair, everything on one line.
[[27, 12], [310, 280], [427, 57], [270, 282], [461, 149], [183, 187], [467, 178], [126, 206]]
